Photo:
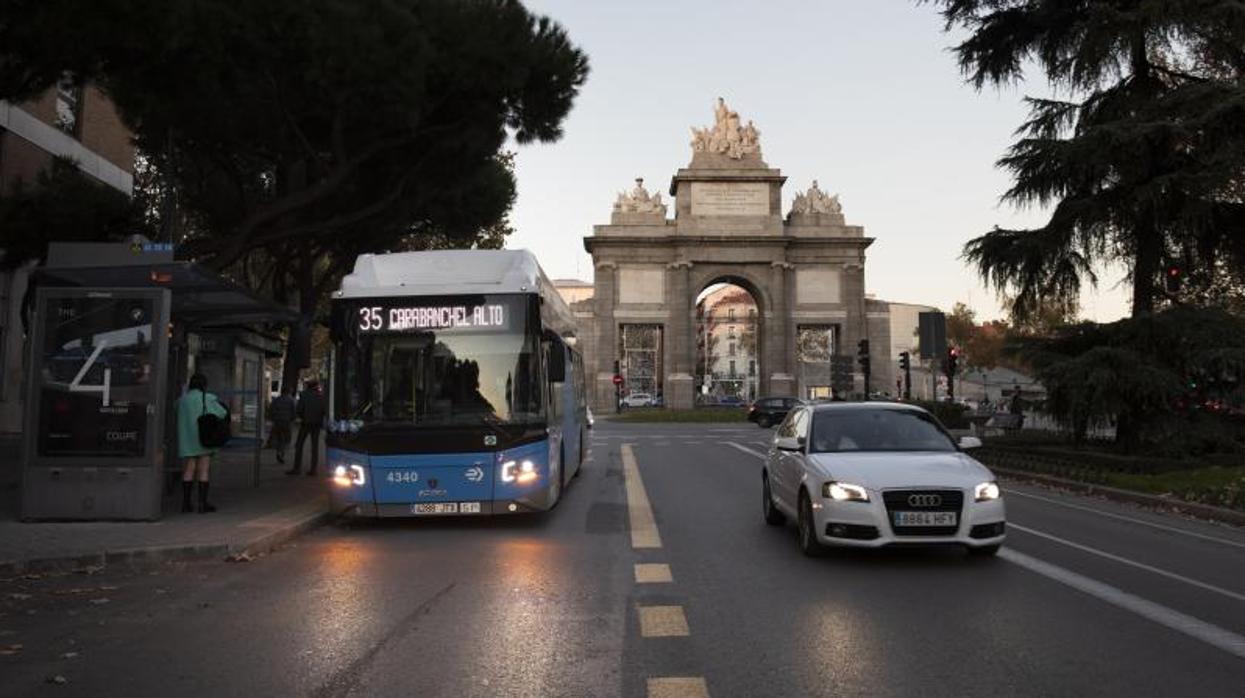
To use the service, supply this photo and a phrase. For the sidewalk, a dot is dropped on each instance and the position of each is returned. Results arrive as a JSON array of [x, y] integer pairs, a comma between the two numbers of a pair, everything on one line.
[[248, 519]]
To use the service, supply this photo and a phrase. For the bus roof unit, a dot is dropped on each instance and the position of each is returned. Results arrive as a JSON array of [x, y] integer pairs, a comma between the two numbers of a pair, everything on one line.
[[442, 272]]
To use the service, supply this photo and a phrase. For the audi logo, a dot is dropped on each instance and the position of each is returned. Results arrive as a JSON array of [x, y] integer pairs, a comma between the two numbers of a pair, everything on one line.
[[924, 500]]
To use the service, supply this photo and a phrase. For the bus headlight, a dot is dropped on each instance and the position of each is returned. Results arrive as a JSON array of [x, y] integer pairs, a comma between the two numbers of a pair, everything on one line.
[[522, 472], [347, 475]]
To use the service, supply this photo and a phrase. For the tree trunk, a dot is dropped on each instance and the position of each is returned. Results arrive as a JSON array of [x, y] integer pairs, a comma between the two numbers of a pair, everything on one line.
[[298, 347], [1146, 263]]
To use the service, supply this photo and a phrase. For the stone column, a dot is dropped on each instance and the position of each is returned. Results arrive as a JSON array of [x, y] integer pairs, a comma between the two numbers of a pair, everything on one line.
[[856, 327], [679, 381], [778, 330], [606, 335]]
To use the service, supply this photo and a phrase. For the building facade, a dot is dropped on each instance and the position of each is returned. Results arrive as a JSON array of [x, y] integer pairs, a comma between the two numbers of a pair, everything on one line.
[[68, 121], [803, 270]]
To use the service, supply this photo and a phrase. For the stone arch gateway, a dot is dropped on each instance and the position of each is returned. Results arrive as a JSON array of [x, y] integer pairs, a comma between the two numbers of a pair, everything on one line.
[[805, 272]]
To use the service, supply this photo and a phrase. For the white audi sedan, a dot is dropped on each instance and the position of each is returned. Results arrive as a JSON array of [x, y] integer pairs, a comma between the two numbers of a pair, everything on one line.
[[871, 474]]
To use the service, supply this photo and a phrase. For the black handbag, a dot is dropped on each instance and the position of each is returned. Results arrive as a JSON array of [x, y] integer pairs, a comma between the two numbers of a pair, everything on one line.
[[213, 430]]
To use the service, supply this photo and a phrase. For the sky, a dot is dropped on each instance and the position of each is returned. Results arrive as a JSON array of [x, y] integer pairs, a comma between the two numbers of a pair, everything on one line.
[[863, 96]]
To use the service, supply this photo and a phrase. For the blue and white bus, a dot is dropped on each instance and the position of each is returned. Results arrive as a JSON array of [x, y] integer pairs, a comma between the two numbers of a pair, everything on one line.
[[455, 389]]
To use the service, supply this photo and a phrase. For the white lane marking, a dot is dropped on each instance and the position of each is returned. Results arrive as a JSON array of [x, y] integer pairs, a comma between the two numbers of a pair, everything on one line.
[[678, 687], [1126, 561], [643, 526], [745, 449], [1130, 519], [1213, 635]]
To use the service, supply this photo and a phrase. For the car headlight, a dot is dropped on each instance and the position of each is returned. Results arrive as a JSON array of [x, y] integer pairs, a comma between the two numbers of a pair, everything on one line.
[[347, 475], [522, 472], [986, 491], [843, 492]]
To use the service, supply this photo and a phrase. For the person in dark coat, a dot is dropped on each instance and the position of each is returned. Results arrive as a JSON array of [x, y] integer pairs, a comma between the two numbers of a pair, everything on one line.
[[282, 412], [311, 411]]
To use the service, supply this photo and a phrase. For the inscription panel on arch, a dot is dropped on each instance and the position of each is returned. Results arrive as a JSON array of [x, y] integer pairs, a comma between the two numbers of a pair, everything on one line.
[[730, 198]]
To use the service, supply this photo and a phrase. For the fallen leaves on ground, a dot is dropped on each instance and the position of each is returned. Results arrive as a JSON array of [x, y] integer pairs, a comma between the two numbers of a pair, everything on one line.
[[83, 590]]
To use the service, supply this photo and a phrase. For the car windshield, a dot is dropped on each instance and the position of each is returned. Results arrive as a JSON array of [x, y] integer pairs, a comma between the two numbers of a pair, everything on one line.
[[836, 431]]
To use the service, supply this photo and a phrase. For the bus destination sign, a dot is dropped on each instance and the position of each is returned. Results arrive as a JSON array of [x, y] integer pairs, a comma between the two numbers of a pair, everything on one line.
[[429, 318]]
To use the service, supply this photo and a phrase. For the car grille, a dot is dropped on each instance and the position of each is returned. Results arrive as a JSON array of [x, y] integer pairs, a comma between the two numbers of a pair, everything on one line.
[[897, 500]]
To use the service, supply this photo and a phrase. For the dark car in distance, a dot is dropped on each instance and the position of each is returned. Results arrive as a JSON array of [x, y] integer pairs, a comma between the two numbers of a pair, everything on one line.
[[768, 411]]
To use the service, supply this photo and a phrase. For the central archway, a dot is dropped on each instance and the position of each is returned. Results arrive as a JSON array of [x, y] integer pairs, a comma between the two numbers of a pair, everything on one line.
[[727, 367]]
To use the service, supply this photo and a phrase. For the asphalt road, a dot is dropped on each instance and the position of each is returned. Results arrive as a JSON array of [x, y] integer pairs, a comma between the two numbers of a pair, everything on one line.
[[1087, 597]]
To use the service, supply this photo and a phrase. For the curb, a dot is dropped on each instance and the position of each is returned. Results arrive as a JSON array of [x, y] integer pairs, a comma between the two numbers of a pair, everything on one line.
[[1202, 511], [167, 553], [270, 541]]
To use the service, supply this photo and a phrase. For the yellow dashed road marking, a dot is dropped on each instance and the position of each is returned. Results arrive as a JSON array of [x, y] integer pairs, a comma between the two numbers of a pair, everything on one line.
[[678, 687], [662, 621], [643, 527], [652, 573]]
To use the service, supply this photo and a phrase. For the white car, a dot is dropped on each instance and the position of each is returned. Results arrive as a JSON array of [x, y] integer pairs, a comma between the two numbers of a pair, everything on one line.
[[638, 400], [874, 474]]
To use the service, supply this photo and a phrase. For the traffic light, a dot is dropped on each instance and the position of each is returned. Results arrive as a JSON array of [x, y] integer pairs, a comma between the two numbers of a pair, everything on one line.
[[1173, 277], [953, 361], [905, 363]]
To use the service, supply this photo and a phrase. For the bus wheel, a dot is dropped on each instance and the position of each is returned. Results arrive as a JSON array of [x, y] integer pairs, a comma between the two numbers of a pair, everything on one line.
[[555, 482]]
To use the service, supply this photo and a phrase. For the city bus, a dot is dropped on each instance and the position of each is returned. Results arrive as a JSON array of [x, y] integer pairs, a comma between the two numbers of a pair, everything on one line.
[[455, 388]]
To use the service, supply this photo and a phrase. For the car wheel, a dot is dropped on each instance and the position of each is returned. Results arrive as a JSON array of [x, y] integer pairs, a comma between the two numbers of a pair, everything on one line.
[[985, 550], [773, 517], [809, 545], [763, 421]]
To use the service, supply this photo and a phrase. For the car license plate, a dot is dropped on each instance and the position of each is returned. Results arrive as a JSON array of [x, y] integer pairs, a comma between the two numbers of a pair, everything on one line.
[[435, 508], [926, 518]]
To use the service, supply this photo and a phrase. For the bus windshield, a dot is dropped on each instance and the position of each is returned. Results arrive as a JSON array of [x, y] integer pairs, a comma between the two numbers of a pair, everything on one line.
[[455, 375]]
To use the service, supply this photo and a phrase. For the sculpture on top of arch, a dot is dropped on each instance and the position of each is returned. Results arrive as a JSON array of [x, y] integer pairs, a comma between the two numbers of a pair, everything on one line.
[[727, 136], [816, 201]]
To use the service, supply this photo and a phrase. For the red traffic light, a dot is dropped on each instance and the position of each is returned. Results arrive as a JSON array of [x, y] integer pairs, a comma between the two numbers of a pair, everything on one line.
[[1173, 271], [954, 351]]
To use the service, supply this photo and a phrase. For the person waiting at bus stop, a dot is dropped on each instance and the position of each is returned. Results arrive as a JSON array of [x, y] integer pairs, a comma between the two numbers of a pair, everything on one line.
[[197, 458], [282, 412], [311, 412]]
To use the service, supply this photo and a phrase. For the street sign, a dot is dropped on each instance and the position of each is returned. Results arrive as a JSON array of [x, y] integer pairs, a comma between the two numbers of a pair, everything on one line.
[[618, 379], [933, 335]]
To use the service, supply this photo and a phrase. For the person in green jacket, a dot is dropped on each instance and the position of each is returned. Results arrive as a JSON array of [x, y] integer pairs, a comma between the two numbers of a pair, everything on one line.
[[196, 456]]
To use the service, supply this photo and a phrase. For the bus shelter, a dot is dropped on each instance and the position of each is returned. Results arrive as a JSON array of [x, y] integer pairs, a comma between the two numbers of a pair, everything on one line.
[[110, 349]]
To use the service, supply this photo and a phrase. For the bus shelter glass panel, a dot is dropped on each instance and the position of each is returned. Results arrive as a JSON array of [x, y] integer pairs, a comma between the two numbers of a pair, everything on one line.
[[97, 359], [640, 346], [815, 350]]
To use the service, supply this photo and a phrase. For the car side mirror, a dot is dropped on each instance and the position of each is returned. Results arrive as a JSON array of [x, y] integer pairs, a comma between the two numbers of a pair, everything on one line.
[[967, 442], [789, 443]]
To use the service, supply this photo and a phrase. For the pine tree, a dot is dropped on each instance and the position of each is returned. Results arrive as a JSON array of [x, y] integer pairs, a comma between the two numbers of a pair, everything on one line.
[[1142, 162]]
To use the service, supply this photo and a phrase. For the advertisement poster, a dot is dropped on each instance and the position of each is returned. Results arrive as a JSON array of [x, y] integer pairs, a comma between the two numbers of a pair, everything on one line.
[[96, 375]]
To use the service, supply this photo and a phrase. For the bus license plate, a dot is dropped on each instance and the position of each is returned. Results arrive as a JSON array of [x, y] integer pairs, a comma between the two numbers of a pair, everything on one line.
[[469, 508], [925, 518], [437, 508]]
